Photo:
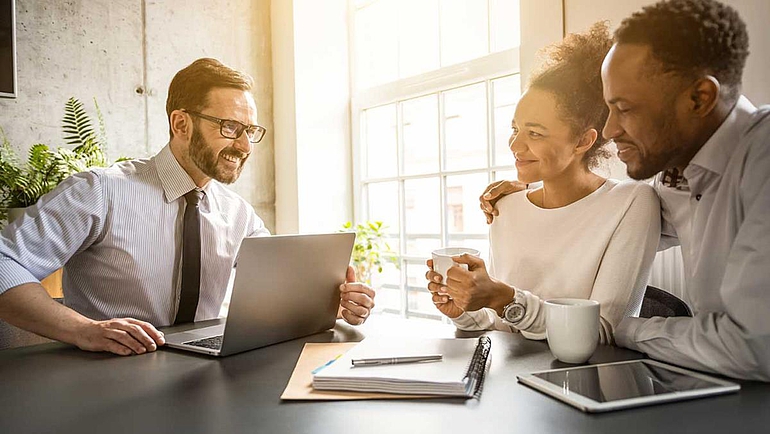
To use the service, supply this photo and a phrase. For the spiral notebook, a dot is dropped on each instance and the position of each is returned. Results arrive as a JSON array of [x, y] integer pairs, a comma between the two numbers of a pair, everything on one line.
[[460, 372]]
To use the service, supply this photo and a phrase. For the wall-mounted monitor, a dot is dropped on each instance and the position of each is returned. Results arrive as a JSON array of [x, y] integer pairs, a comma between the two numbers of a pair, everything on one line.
[[7, 49]]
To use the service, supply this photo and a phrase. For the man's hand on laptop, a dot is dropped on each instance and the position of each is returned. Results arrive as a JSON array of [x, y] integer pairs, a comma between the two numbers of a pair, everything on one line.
[[122, 336], [356, 299]]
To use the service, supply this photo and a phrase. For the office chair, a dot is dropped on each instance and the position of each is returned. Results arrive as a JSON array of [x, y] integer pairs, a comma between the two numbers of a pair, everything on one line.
[[658, 302], [14, 337]]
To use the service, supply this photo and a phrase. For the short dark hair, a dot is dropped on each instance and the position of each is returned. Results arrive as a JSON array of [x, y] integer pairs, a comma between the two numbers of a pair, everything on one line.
[[190, 87], [692, 37], [572, 73]]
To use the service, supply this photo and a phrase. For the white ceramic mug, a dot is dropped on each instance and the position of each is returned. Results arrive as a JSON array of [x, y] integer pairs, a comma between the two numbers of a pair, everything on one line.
[[442, 259], [572, 328]]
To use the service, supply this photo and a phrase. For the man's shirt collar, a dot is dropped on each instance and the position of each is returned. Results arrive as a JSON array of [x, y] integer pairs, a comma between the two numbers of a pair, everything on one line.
[[716, 152], [175, 180]]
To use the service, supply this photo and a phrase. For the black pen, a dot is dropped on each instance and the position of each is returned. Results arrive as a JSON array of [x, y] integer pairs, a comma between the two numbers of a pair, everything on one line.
[[397, 360]]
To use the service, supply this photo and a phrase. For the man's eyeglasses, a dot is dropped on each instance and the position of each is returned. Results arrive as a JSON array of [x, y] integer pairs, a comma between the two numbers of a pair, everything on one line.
[[232, 129]]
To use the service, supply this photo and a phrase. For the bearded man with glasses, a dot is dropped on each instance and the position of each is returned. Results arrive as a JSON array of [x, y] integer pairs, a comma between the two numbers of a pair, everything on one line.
[[149, 242]]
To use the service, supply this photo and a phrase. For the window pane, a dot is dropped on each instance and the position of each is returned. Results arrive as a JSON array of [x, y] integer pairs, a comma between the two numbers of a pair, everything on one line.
[[391, 274], [422, 201], [376, 44], [464, 30], [506, 93], [393, 242], [505, 31], [418, 37], [418, 296], [421, 135], [420, 301], [382, 199], [465, 125], [381, 141], [387, 298], [462, 206], [482, 245], [508, 175], [415, 275]]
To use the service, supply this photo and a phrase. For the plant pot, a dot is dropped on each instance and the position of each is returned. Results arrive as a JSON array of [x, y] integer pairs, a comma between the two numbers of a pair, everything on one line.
[[52, 283]]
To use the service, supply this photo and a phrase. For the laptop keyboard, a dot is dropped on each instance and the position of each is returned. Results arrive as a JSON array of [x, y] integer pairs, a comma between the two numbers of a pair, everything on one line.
[[214, 342]]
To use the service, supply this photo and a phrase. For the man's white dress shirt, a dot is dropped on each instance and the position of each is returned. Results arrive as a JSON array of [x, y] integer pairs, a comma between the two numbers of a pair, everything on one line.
[[721, 218], [118, 233]]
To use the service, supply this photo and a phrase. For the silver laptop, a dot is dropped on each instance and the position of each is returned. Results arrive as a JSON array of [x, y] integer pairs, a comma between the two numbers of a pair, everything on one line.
[[286, 287]]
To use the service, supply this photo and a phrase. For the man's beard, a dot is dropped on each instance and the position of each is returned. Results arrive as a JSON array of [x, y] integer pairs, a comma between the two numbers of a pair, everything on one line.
[[669, 143], [208, 162]]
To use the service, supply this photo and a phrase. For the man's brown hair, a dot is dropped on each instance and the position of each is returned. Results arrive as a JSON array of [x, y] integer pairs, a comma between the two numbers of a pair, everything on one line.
[[190, 87]]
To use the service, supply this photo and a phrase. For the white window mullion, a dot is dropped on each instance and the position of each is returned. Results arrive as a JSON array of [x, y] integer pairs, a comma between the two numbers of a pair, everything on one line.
[[404, 308], [358, 157], [490, 129], [442, 167], [402, 247], [450, 77], [400, 139]]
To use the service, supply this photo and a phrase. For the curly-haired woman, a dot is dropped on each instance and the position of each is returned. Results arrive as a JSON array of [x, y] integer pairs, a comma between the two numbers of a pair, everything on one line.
[[579, 235]]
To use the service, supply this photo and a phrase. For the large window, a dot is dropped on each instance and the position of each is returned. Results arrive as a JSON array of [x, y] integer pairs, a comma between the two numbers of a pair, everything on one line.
[[436, 83]]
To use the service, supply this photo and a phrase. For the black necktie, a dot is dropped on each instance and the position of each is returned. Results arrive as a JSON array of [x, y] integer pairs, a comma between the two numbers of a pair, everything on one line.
[[191, 259]]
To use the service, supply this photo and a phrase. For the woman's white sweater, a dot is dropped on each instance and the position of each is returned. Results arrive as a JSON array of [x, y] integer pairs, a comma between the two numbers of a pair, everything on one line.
[[600, 248]]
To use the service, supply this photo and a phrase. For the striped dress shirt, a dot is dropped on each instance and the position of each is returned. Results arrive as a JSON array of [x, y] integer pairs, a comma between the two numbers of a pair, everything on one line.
[[118, 234]]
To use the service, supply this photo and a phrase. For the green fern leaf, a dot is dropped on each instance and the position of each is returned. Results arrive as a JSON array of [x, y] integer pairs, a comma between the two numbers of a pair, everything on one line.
[[76, 124], [39, 158]]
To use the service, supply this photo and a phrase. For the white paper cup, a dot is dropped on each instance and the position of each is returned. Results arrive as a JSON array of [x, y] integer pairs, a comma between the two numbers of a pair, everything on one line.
[[442, 259], [572, 328]]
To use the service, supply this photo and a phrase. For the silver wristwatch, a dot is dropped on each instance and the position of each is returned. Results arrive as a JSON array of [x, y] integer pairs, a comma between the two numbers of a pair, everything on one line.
[[514, 311]]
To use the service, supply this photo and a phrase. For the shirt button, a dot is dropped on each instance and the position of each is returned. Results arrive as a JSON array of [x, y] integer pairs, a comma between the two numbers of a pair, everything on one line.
[[698, 196]]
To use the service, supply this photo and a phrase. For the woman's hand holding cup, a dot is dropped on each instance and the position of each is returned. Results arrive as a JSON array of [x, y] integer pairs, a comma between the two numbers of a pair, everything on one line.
[[441, 299], [461, 275]]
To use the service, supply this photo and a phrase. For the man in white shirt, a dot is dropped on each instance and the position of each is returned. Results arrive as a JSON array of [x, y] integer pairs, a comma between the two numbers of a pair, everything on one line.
[[672, 83], [148, 242]]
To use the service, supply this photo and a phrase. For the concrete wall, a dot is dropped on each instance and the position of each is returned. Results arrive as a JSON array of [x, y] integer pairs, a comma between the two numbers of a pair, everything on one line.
[[84, 49], [109, 49]]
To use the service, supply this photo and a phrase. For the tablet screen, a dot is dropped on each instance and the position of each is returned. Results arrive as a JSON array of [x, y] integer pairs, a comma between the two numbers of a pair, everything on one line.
[[606, 383]]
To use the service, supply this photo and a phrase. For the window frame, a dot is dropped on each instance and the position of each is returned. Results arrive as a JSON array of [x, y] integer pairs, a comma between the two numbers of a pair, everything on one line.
[[481, 70], [536, 30]]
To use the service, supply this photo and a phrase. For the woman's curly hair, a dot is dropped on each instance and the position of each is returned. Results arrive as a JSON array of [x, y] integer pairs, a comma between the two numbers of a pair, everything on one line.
[[572, 72]]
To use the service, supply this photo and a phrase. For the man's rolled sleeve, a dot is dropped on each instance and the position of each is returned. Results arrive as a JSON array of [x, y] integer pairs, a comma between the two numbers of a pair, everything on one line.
[[12, 274], [61, 223]]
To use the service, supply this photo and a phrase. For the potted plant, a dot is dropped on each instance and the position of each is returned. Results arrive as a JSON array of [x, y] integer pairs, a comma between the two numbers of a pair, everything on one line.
[[22, 184], [370, 249]]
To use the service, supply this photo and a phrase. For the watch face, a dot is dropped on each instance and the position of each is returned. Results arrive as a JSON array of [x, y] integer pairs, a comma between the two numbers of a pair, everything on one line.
[[514, 313]]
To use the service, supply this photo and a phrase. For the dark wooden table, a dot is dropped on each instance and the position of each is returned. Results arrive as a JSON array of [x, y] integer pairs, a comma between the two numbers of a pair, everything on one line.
[[58, 388]]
